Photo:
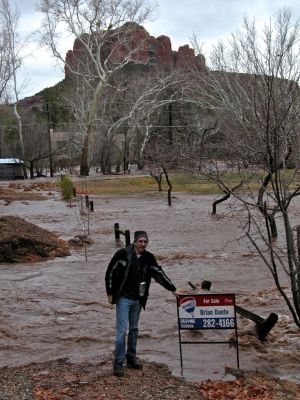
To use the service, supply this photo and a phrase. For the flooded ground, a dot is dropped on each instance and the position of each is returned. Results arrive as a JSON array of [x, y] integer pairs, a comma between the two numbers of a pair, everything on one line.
[[58, 308]]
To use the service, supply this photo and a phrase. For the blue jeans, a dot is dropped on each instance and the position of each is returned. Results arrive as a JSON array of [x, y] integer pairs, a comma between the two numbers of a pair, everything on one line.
[[127, 313]]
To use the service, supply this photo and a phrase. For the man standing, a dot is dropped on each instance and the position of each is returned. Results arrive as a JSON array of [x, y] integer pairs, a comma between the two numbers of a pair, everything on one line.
[[128, 279]]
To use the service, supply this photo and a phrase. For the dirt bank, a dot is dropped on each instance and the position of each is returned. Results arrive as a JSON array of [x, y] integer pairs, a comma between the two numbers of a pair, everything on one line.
[[21, 241]]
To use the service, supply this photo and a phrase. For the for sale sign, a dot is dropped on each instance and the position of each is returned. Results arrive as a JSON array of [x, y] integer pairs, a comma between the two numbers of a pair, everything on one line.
[[207, 311]]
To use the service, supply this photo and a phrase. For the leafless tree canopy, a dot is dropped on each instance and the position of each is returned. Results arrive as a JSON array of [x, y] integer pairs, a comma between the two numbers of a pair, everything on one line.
[[253, 90], [103, 46], [9, 58]]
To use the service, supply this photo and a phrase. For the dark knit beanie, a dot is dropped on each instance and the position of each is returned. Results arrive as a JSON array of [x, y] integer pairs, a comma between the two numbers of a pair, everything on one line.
[[139, 234]]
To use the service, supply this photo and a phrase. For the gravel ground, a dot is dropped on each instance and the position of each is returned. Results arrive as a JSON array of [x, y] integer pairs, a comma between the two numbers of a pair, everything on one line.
[[59, 380]]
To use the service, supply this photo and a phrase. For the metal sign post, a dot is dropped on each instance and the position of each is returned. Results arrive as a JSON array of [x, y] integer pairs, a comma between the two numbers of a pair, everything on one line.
[[206, 311]]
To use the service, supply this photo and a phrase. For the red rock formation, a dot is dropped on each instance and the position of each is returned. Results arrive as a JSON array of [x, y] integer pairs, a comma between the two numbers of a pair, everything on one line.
[[185, 57], [133, 41], [163, 48]]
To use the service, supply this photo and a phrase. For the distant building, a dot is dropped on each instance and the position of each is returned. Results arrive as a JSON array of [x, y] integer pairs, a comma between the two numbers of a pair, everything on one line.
[[11, 168]]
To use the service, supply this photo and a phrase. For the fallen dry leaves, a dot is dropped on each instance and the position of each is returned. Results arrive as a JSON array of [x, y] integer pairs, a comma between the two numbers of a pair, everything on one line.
[[60, 380], [21, 241], [233, 390], [249, 386], [44, 394]]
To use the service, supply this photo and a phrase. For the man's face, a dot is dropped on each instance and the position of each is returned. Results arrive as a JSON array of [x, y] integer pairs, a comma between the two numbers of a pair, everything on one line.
[[140, 245]]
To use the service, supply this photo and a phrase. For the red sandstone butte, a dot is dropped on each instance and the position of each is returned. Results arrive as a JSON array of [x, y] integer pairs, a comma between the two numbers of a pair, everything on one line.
[[133, 41]]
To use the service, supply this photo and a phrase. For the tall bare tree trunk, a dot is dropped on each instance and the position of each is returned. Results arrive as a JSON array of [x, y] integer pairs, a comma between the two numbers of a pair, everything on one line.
[[85, 153], [21, 141], [169, 185]]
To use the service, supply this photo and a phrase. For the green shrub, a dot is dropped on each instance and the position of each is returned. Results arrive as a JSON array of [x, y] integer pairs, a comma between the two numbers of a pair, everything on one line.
[[67, 187]]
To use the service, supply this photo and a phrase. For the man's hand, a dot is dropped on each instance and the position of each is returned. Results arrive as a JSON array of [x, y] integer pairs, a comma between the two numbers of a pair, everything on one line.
[[179, 291], [110, 300]]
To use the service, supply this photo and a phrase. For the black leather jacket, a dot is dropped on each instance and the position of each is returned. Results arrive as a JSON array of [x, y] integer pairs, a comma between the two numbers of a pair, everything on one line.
[[118, 268]]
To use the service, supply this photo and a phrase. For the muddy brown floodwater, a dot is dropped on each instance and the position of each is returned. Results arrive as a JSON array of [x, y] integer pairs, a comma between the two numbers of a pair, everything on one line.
[[58, 308]]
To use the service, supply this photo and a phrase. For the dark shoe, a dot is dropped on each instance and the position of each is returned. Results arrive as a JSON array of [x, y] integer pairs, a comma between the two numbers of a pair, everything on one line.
[[118, 370], [135, 363]]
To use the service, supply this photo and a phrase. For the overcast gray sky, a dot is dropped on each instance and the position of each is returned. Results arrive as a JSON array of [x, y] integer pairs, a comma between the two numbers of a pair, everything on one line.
[[209, 20]]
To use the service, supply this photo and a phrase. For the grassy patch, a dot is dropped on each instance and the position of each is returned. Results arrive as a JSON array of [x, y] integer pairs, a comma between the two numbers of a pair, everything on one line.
[[180, 183], [9, 195], [116, 185], [143, 184]]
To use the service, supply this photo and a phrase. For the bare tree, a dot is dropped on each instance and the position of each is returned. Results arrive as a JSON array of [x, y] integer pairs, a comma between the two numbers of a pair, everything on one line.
[[161, 159], [9, 19], [5, 56], [131, 106], [253, 86], [147, 97], [103, 46]]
